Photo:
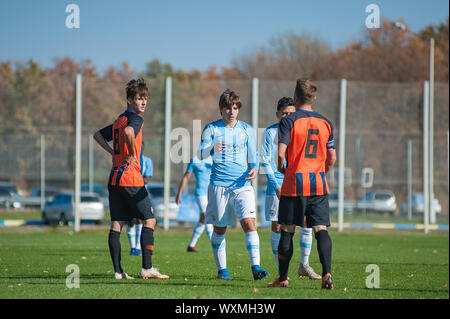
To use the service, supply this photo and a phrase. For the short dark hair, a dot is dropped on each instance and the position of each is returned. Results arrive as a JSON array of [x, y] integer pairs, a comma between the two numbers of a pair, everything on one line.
[[135, 87], [228, 99], [305, 91], [285, 101]]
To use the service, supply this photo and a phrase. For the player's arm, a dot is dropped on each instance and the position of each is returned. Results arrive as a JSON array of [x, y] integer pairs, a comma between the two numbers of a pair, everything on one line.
[[206, 145], [183, 183], [252, 155], [148, 171], [129, 138], [281, 157], [331, 151], [103, 136], [266, 160], [284, 138], [129, 135], [331, 159]]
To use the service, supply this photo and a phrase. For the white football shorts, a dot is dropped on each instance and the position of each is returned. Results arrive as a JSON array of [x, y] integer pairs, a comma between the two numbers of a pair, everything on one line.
[[202, 202], [224, 201], [271, 208]]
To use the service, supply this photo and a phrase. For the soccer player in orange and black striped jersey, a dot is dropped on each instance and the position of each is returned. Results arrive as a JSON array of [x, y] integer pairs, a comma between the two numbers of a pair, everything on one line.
[[128, 197], [305, 141]]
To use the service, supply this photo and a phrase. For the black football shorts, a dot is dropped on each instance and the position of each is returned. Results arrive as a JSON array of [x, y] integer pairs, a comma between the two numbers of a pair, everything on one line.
[[292, 210], [126, 203]]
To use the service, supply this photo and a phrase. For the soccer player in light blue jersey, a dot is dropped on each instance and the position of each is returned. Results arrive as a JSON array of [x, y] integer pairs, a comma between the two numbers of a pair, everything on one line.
[[269, 151], [202, 172], [232, 145], [134, 227]]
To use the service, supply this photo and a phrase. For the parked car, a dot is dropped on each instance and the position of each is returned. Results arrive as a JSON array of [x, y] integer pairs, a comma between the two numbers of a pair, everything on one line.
[[100, 190], [62, 208], [333, 199], [378, 201], [50, 192], [417, 206], [9, 196], [35, 196], [156, 192]]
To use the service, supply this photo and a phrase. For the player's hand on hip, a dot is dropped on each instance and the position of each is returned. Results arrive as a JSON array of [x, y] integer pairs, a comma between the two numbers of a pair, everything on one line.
[[278, 192], [253, 172], [128, 161], [219, 147]]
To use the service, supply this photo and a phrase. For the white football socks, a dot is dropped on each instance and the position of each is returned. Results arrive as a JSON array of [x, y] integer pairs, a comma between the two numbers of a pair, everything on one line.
[[209, 230], [252, 243], [131, 234], [305, 244], [274, 242], [218, 244], [138, 235], [196, 233]]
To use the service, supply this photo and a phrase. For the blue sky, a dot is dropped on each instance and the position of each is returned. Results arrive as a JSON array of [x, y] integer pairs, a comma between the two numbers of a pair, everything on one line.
[[187, 34]]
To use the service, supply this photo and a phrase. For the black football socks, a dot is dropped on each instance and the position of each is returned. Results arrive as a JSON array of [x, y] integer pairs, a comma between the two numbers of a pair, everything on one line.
[[285, 251], [324, 249], [114, 249], [147, 242]]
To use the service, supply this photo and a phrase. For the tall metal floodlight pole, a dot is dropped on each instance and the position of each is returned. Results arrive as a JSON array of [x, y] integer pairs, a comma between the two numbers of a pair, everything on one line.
[[426, 171], [168, 128], [42, 171], [255, 103], [431, 136], [78, 153], [343, 106]]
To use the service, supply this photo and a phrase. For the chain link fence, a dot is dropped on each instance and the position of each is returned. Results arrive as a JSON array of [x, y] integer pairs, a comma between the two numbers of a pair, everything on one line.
[[381, 119]]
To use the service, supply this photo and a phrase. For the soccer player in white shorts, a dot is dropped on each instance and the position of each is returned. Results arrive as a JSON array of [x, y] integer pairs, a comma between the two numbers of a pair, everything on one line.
[[202, 171], [232, 145], [269, 149]]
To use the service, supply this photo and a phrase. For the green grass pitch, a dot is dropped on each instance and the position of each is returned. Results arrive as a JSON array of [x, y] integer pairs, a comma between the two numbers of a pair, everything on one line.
[[33, 263]]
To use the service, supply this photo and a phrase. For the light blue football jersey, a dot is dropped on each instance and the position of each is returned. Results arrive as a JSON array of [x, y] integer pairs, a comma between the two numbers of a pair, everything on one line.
[[147, 166], [269, 153], [230, 167], [202, 172]]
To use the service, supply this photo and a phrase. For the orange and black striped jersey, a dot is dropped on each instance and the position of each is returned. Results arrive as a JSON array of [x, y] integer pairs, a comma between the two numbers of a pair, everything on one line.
[[308, 135], [132, 176]]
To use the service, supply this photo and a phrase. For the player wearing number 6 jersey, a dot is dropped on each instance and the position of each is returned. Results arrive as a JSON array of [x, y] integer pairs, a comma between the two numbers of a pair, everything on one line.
[[269, 152], [305, 140]]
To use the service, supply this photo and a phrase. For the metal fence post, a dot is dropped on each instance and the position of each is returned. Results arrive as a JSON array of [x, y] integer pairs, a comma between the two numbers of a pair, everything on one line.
[[168, 128], [431, 135], [78, 152], [409, 179], [343, 106], [42, 171], [426, 171], [91, 163]]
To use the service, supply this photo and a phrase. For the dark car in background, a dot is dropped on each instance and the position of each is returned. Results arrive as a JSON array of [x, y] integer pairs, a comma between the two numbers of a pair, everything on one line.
[[50, 192], [9, 196], [333, 200]]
